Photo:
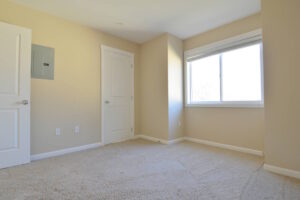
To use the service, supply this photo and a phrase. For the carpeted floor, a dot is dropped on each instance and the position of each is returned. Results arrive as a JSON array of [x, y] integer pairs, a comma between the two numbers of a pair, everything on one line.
[[144, 170]]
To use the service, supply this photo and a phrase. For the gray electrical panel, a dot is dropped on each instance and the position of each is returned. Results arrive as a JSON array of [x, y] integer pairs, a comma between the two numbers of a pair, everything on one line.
[[42, 62]]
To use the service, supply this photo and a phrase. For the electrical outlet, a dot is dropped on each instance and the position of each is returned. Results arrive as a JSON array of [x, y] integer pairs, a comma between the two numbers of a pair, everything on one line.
[[77, 130], [58, 131]]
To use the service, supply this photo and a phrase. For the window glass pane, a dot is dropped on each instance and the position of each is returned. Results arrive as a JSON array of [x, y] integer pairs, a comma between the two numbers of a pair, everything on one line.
[[241, 71], [205, 79]]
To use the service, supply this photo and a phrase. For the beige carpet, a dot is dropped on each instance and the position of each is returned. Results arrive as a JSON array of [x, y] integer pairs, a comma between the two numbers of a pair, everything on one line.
[[144, 170]]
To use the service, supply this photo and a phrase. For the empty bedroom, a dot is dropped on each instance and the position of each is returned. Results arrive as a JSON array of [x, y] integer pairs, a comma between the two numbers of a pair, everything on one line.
[[149, 99]]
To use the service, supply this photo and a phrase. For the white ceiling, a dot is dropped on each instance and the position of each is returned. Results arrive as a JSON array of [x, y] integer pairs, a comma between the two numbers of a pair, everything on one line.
[[141, 20]]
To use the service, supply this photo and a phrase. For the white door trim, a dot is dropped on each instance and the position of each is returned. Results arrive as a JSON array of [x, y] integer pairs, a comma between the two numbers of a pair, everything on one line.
[[103, 48]]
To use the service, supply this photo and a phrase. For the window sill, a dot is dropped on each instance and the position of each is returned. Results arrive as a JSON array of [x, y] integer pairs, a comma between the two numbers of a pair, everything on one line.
[[227, 105]]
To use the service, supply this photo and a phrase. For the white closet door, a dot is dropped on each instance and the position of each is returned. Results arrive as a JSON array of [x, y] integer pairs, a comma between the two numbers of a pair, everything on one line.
[[117, 95]]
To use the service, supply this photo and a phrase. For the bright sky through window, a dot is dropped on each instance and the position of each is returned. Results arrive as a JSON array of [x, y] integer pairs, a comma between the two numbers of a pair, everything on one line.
[[230, 76]]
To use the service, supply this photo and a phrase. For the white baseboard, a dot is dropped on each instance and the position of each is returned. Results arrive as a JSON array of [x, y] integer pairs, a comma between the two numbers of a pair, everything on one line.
[[282, 171], [175, 141], [64, 151], [225, 146], [205, 142], [152, 139]]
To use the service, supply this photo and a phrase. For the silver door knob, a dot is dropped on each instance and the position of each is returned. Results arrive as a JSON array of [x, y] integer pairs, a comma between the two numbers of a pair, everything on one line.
[[25, 102], [106, 102]]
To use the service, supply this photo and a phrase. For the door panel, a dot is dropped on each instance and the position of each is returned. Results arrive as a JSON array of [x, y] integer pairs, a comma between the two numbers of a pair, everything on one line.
[[117, 95], [15, 55], [8, 129], [9, 59], [119, 117], [120, 79]]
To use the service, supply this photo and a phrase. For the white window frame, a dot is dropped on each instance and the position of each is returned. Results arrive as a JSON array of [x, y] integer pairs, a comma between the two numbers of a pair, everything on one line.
[[253, 37]]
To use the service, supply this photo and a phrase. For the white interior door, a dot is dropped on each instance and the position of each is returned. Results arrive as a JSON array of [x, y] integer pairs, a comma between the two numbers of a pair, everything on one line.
[[15, 57], [117, 95]]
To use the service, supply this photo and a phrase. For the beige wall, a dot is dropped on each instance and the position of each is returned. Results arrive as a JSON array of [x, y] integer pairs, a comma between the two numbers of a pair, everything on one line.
[[281, 29], [175, 87], [235, 28], [234, 126], [154, 88], [161, 88], [73, 98]]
